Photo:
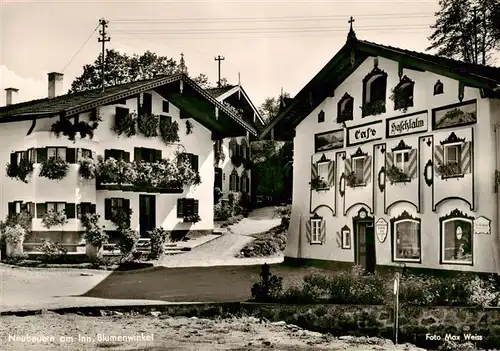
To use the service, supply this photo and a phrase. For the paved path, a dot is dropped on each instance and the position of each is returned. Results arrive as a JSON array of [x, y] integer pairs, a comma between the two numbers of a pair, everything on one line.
[[259, 220]]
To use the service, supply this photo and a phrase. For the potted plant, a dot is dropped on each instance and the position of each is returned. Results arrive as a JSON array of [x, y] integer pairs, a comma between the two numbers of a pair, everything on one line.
[[448, 170], [54, 218], [14, 238], [169, 131], [318, 184], [189, 127], [54, 168], [95, 236], [87, 168], [400, 101], [126, 125], [350, 180], [396, 175], [192, 218], [373, 108], [20, 171]]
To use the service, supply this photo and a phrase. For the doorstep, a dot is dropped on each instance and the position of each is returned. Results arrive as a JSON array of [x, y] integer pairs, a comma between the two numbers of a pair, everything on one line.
[[191, 244]]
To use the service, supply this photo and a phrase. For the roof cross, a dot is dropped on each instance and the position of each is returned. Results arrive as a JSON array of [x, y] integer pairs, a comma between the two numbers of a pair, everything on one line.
[[351, 21]]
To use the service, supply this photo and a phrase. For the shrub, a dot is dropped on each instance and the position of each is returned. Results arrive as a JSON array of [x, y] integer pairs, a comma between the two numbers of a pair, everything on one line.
[[54, 218], [317, 286], [121, 217], [24, 219], [54, 168], [284, 213], [127, 241], [52, 251], [450, 292], [158, 238], [414, 290], [265, 244], [87, 168], [217, 195], [14, 235], [126, 125], [93, 234], [268, 291], [483, 293], [222, 211], [148, 125], [169, 131]]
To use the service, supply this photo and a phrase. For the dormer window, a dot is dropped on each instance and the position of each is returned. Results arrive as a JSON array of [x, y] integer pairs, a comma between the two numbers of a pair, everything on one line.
[[438, 88], [321, 116], [374, 92], [345, 108], [402, 94]]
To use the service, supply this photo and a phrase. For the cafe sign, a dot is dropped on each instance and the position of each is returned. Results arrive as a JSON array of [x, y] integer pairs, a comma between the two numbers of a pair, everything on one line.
[[408, 124], [365, 133]]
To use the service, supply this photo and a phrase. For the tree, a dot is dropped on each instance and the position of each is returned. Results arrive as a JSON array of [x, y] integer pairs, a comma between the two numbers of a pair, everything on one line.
[[121, 68], [202, 81], [463, 33], [270, 107]]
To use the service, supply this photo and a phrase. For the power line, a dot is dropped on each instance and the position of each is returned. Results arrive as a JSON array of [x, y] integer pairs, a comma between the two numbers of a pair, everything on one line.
[[80, 49], [274, 18]]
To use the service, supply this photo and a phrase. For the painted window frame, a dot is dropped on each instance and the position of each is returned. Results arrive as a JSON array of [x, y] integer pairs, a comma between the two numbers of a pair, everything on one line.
[[370, 79], [316, 223], [354, 169], [341, 107], [346, 241], [55, 205], [458, 147], [405, 83], [404, 154], [57, 150], [438, 88], [443, 245], [325, 165], [394, 225]]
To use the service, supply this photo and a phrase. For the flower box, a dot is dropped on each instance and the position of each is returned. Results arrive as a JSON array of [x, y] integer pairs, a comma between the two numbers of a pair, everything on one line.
[[192, 218]]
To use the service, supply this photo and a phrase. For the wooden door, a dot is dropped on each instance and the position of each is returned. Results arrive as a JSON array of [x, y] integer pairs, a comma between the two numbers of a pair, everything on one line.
[[147, 214], [365, 246]]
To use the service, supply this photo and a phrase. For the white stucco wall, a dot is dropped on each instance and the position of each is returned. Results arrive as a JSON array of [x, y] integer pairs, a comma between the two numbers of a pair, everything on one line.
[[74, 190], [344, 208]]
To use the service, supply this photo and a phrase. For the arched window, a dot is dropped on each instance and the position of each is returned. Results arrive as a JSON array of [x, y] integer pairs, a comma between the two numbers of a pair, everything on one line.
[[321, 116], [438, 88], [233, 145], [345, 108], [374, 92], [406, 240], [245, 182], [402, 94], [234, 184], [456, 238], [244, 149]]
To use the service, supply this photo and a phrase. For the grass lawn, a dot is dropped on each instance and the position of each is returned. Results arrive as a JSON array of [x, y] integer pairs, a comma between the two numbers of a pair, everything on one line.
[[193, 284]]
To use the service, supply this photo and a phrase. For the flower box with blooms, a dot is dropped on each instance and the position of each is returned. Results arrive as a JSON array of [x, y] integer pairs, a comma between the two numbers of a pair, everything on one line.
[[192, 218], [20, 171], [396, 175], [350, 180], [449, 170], [373, 108], [400, 101], [24, 219], [54, 218], [69, 129], [169, 131], [318, 184], [54, 168], [126, 125], [87, 168], [111, 171], [148, 125]]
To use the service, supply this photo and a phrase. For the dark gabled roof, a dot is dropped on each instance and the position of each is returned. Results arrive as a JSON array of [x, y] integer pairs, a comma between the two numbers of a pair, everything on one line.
[[216, 92], [71, 104], [352, 55]]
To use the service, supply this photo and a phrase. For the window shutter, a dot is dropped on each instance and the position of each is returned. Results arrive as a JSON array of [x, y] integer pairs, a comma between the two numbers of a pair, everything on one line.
[[347, 166], [389, 160], [231, 149], [308, 230], [157, 155], [41, 155], [12, 208], [32, 208], [237, 182], [137, 154], [79, 154], [13, 160], [147, 103], [126, 204], [70, 210], [180, 208], [323, 232], [314, 170], [126, 156], [107, 208], [248, 184], [331, 173], [78, 211], [107, 154], [196, 205], [367, 169], [71, 155], [165, 107], [465, 157], [93, 208], [412, 164], [40, 210], [438, 158], [242, 180], [194, 162]]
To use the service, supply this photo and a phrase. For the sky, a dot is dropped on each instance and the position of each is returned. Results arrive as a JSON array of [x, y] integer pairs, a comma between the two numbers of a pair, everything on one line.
[[271, 44]]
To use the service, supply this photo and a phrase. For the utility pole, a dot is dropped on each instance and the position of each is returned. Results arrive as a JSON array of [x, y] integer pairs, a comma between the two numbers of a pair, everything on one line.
[[103, 39], [219, 58]]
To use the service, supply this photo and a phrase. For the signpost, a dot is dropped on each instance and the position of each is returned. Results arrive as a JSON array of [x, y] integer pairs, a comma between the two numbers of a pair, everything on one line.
[[396, 307]]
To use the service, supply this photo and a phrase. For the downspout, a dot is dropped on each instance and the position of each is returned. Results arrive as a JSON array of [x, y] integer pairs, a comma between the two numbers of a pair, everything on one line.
[[496, 241]]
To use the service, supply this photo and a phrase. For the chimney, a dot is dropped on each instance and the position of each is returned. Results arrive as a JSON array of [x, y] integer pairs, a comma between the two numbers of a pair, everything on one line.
[[55, 84], [10, 93]]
